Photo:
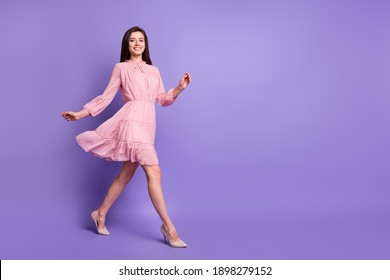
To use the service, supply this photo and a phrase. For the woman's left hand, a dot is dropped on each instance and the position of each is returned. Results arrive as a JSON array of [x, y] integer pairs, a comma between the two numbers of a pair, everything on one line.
[[185, 80]]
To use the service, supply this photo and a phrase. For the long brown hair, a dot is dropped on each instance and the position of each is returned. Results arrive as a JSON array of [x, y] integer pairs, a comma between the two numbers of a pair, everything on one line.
[[125, 53]]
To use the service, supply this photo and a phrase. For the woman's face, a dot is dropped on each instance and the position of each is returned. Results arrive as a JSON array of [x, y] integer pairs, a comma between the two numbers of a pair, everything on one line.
[[136, 44]]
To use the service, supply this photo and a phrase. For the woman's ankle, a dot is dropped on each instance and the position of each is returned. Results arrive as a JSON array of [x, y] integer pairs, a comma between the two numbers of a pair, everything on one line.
[[101, 215]]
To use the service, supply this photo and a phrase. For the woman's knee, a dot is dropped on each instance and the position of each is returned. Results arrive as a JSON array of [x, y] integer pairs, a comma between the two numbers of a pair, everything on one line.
[[125, 177], [127, 173], [153, 172]]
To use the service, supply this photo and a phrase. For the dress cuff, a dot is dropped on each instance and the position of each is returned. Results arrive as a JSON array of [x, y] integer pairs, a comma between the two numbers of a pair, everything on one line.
[[86, 107]]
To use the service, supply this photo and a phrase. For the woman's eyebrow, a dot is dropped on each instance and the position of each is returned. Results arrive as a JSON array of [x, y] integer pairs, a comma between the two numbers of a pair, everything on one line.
[[140, 38]]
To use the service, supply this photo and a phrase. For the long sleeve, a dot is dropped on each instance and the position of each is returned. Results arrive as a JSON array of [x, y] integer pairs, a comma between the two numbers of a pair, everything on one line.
[[164, 99], [98, 104]]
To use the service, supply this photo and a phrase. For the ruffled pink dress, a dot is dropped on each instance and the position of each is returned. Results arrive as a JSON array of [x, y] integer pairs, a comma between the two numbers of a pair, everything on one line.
[[130, 133]]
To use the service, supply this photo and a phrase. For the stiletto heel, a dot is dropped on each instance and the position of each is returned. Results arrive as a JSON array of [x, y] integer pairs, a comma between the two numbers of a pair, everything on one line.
[[103, 231], [175, 244]]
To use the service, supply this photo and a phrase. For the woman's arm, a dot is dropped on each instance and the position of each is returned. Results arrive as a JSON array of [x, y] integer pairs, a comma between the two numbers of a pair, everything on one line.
[[98, 104], [166, 99], [184, 82]]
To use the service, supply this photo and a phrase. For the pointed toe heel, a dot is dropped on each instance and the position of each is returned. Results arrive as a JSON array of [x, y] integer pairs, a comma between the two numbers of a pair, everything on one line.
[[175, 244], [103, 231]]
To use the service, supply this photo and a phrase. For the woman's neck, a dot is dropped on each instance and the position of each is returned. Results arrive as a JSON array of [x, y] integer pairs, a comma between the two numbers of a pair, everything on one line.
[[136, 58]]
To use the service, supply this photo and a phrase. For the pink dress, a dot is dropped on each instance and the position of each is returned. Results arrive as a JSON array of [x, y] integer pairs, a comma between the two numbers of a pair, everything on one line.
[[130, 133]]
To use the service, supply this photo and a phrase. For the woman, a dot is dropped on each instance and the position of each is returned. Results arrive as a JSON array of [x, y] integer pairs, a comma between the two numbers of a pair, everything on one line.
[[128, 136]]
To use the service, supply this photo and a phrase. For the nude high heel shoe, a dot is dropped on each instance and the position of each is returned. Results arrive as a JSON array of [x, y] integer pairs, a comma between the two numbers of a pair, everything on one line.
[[175, 244], [103, 231]]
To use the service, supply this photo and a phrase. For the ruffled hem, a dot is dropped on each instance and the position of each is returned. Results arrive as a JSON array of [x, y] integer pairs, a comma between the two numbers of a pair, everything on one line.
[[115, 150]]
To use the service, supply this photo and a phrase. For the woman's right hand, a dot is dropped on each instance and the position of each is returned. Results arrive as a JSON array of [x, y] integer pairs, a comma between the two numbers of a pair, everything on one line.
[[74, 116], [71, 116]]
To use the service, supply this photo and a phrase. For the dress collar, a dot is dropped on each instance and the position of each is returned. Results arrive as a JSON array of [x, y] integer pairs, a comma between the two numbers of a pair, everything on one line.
[[136, 62]]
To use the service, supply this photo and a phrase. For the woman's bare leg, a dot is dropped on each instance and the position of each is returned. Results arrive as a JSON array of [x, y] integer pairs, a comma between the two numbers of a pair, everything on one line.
[[153, 175], [116, 188]]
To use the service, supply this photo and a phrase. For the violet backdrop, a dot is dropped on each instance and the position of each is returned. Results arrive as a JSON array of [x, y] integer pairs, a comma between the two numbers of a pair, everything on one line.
[[279, 149]]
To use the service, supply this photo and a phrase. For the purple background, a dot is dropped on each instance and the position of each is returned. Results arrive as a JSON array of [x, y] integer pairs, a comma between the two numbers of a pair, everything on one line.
[[279, 149]]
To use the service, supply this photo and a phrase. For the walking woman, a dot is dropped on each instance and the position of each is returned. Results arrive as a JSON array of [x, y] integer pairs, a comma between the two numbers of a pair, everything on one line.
[[128, 136]]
